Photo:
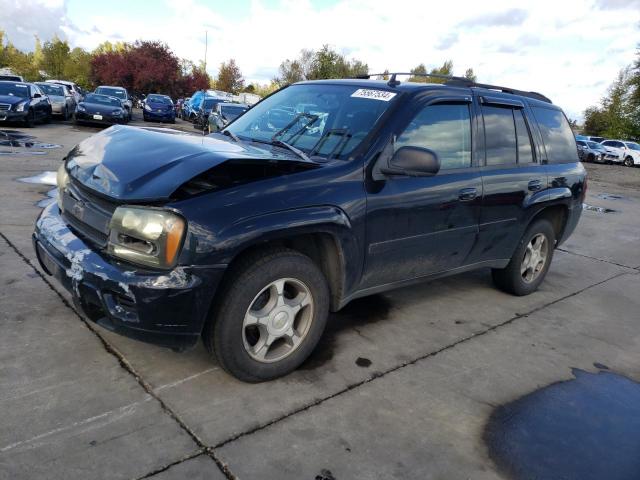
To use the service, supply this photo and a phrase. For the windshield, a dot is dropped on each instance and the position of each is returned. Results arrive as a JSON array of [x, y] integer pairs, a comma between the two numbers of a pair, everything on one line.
[[595, 146], [633, 146], [159, 99], [319, 119], [101, 100], [232, 112], [114, 92], [14, 90], [51, 89]]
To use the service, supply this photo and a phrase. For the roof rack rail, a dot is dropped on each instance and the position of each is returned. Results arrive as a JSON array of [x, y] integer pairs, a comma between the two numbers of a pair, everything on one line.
[[454, 81]]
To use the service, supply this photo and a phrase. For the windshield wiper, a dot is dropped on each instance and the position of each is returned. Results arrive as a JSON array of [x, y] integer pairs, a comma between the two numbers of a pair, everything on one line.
[[291, 148], [229, 133], [312, 119]]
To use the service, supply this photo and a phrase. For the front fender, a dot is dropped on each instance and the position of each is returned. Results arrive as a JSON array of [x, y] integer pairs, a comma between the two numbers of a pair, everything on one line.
[[325, 219]]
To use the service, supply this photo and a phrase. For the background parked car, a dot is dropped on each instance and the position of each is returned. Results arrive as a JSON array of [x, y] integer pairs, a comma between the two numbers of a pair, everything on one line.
[[201, 119], [102, 109], [78, 93], [159, 108], [628, 152], [62, 100], [223, 114], [12, 78], [120, 93], [23, 102]]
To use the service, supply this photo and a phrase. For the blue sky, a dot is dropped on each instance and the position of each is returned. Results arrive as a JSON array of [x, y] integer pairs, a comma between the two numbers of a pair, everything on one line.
[[570, 50]]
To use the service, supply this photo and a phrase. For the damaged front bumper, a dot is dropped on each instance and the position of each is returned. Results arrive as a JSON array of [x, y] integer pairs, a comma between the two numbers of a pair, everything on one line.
[[163, 308]]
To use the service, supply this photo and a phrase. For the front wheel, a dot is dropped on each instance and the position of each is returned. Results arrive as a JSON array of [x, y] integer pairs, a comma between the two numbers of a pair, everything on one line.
[[530, 262], [628, 162], [270, 315], [30, 119]]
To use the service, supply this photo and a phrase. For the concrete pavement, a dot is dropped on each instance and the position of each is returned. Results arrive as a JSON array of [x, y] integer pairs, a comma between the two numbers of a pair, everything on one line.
[[401, 386]]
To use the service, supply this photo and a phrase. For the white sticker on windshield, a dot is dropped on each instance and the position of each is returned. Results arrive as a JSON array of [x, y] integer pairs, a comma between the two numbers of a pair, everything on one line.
[[373, 94]]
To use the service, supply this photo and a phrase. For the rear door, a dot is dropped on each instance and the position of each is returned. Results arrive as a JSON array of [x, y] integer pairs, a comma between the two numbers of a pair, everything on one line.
[[417, 226], [511, 176]]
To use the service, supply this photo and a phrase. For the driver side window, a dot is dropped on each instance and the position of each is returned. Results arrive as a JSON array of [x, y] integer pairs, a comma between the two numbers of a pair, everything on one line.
[[443, 128]]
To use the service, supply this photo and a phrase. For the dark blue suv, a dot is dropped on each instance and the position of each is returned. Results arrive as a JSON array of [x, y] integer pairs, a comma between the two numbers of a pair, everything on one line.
[[323, 192]]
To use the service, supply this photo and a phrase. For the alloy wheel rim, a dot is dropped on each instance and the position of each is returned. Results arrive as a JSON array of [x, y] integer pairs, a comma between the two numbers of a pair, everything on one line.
[[535, 258], [278, 320]]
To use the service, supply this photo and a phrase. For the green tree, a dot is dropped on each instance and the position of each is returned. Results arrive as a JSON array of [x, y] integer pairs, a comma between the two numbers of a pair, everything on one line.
[[55, 54], [78, 67], [595, 122], [470, 75], [417, 74], [230, 77]]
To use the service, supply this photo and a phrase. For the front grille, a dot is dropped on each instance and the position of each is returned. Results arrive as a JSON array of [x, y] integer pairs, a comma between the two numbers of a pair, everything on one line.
[[4, 107], [88, 215]]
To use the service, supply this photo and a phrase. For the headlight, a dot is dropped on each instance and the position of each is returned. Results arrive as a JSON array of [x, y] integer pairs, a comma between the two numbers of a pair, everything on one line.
[[146, 236], [62, 180], [147, 108], [117, 111], [21, 105], [81, 108]]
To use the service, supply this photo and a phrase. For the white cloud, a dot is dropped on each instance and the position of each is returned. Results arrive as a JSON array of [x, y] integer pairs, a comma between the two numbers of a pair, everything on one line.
[[569, 50]]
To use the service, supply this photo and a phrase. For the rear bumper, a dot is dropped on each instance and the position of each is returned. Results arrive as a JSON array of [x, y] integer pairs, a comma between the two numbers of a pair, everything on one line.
[[163, 308], [159, 115]]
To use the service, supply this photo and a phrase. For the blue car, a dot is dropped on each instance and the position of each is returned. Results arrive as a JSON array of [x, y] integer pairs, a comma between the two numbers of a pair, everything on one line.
[[158, 108]]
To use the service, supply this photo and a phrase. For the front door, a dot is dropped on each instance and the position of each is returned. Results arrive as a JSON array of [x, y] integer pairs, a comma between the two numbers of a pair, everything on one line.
[[417, 226]]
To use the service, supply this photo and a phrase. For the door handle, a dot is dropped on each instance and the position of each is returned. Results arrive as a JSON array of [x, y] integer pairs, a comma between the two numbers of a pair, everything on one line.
[[467, 194], [535, 185]]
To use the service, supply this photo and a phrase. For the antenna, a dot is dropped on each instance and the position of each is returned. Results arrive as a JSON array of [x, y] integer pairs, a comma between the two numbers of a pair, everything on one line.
[[206, 44]]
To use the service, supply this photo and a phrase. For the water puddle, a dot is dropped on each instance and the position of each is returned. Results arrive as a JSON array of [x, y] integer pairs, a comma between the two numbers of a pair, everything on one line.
[[23, 143], [44, 178], [586, 428], [609, 196], [593, 208], [49, 199]]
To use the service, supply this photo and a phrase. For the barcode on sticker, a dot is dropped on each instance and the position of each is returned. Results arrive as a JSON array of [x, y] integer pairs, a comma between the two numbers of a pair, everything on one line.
[[373, 94]]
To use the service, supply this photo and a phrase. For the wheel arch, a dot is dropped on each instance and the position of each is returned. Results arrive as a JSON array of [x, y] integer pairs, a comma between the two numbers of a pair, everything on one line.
[[324, 234]]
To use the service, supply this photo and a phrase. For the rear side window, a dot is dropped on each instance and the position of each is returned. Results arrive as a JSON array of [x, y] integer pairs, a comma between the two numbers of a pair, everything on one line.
[[500, 135], [557, 135], [443, 128]]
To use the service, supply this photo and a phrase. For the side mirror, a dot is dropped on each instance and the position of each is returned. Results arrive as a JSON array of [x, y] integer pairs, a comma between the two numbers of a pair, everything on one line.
[[413, 162], [37, 95]]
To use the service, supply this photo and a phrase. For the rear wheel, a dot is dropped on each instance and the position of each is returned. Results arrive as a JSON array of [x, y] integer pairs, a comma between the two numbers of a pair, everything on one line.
[[270, 316], [628, 161], [530, 262]]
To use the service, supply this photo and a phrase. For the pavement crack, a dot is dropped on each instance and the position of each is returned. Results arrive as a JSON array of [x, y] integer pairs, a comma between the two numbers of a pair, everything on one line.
[[124, 363], [595, 258], [164, 468], [378, 375]]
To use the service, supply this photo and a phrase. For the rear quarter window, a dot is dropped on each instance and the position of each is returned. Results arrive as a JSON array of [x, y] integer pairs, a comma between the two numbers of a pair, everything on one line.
[[557, 136]]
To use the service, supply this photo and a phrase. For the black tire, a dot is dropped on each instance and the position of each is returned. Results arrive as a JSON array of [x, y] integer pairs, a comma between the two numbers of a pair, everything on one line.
[[47, 117], [30, 119], [223, 333], [65, 115], [628, 162], [590, 158], [510, 279]]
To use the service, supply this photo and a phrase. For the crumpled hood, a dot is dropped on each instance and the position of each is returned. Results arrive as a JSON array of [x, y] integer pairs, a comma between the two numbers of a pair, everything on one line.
[[149, 164]]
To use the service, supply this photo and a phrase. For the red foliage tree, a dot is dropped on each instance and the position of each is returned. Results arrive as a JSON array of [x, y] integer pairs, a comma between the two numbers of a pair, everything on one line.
[[146, 67]]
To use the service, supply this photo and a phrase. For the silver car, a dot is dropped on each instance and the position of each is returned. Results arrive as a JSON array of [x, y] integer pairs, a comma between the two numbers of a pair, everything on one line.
[[63, 102]]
